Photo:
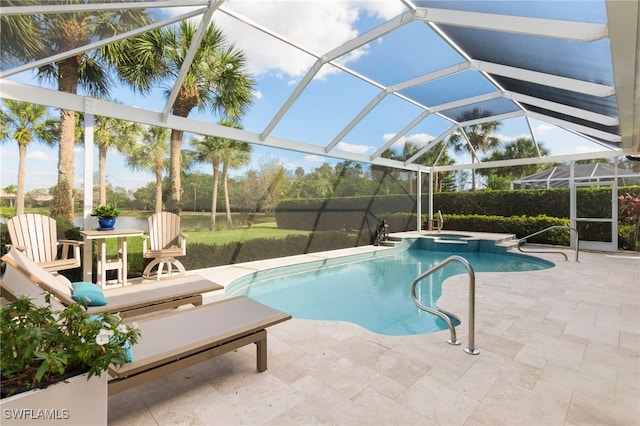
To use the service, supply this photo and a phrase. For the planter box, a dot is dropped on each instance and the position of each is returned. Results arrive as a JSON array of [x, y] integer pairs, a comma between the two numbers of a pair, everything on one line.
[[75, 401]]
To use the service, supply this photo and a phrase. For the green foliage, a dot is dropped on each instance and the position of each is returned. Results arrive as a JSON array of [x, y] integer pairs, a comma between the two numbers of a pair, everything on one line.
[[203, 255], [106, 211], [521, 226], [629, 214], [346, 214], [531, 202], [628, 237], [499, 183], [41, 346]]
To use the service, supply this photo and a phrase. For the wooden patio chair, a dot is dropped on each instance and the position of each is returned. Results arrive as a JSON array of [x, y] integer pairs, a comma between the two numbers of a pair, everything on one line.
[[23, 277], [36, 236], [164, 243]]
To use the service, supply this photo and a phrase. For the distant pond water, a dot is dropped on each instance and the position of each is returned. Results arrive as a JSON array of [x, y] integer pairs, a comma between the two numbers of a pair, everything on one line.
[[131, 222]]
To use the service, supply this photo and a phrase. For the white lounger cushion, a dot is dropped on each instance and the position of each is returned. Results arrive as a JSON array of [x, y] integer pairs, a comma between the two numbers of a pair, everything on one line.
[[188, 331], [18, 284], [176, 340], [36, 280]]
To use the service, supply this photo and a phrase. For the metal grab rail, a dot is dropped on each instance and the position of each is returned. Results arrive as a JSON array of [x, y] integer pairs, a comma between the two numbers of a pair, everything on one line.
[[446, 316], [523, 241]]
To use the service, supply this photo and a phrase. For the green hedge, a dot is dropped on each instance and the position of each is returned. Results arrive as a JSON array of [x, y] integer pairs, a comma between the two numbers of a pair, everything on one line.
[[357, 213], [483, 211], [345, 214], [505, 203], [521, 226], [206, 256]]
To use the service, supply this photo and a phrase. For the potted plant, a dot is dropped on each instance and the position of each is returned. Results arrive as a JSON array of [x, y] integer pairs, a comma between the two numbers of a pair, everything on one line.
[[106, 214], [47, 355]]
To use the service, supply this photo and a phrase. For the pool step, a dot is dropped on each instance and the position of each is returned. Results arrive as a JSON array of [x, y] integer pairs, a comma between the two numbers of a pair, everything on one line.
[[508, 243]]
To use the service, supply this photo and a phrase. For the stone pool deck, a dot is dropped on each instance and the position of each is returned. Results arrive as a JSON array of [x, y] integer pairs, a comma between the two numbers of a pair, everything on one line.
[[557, 347]]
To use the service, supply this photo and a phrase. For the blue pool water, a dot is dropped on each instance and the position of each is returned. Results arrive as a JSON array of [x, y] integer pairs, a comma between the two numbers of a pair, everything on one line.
[[374, 292]]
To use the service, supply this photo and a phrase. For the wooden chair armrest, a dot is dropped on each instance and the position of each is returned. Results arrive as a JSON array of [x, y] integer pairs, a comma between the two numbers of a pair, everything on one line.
[[145, 238], [183, 242], [71, 242]]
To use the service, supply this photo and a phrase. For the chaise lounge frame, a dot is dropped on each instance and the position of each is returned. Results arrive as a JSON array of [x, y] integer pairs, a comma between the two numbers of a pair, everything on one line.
[[176, 340]]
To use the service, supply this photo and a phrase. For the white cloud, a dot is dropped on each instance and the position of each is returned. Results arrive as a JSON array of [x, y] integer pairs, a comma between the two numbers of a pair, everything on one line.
[[37, 155], [511, 138], [317, 26], [418, 139], [314, 158], [544, 128], [356, 149]]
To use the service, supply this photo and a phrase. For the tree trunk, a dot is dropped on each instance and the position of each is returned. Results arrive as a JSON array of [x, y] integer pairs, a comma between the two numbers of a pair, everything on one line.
[[187, 100], [175, 186], [102, 165], [214, 197], [158, 172], [62, 206], [225, 183], [22, 149], [473, 173]]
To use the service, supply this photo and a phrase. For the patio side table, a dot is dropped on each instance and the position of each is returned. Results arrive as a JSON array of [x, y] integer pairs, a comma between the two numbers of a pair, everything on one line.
[[104, 264]]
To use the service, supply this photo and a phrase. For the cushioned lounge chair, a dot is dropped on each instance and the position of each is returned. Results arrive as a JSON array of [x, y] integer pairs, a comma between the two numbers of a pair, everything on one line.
[[173, 341], [25, 277]]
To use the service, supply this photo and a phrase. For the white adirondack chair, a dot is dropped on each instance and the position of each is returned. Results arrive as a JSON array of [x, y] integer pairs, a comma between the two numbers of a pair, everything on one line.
[[36, 236], [164, 243]]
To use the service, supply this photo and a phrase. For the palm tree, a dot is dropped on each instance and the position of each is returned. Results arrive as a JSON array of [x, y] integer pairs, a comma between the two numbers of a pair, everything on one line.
[[52, 33], [209, 150], [150, 154], [235, 155], [385, 175], [112, 133], [520, 148], [429, 158], [216, 80], [20, 34], [480, 137], [25, 122]]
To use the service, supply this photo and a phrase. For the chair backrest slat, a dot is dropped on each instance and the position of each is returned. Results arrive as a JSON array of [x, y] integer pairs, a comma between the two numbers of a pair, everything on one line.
[[37, 233], [164, 228]]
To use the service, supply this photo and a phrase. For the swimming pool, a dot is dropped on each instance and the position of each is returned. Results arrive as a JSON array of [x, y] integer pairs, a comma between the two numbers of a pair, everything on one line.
[[372, 292]]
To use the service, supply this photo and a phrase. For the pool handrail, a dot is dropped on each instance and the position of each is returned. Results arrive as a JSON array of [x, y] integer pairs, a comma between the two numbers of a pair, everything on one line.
[[446, 316], [523, 241]]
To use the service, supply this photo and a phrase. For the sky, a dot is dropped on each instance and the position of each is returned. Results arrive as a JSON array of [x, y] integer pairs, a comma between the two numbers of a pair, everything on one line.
[[326, 106]]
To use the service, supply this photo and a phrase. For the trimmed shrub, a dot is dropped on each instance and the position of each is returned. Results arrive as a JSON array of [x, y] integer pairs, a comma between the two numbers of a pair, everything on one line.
[[521, 226], [205, 256]]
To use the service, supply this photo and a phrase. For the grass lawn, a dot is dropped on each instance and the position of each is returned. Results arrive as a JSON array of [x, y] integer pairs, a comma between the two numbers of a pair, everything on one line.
[[262, 230], [267, 230]]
